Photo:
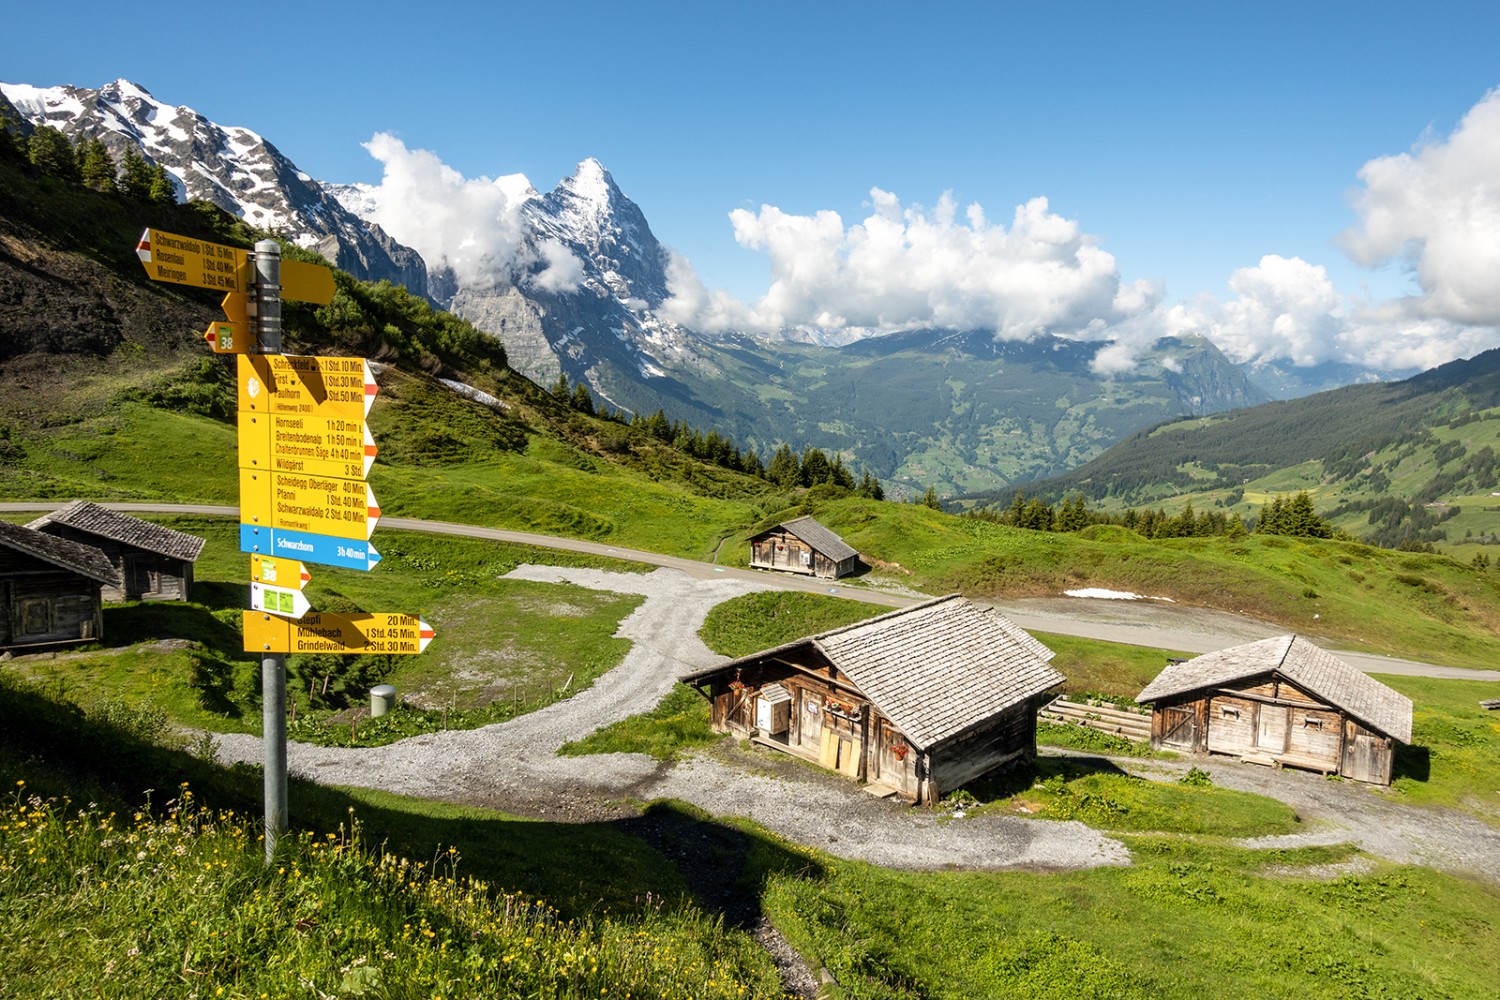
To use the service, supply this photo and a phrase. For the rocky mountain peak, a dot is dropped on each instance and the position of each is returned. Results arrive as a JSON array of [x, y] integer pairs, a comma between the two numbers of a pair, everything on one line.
[[235, 168]]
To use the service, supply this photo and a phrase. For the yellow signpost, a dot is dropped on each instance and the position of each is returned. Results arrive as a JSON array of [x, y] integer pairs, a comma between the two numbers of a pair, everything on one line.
[[288, 573], [317, 505], [297, 385], [183, 260], [322, 632], [322, 446], [304, 452]]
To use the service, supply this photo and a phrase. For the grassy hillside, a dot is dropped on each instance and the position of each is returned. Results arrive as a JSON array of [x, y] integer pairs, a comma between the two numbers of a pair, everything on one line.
[[1390, 463]]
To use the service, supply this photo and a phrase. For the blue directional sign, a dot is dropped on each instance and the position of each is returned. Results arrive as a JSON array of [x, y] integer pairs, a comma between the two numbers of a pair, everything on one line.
[[323, 549]]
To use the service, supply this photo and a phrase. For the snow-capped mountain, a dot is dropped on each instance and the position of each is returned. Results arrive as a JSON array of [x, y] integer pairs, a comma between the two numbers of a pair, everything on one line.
[[580, 290], [235, 168]]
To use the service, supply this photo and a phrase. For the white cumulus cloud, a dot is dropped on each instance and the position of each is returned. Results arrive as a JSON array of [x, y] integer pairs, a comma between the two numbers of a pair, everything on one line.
[[900, 268], [1283, 307], [561, 270], [1437, 209], [473, 225]]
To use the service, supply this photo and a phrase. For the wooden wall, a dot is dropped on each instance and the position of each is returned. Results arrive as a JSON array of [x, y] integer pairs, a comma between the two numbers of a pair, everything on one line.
[[144, 575], [1269, 718], [43, 605], [1008, 737], [781, 550]]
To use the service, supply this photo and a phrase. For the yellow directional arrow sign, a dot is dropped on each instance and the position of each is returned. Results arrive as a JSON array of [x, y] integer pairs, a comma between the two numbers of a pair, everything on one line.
[[298, 385], [289, 573], [317, 505], [323, 446], [233, 335], [183, 260], [306, 282], [322, 632]]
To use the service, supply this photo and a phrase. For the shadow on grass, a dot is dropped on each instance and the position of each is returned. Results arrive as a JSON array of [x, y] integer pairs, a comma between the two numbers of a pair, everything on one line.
[[1411, 762], [219, 595], [1004, 784], [670, 853], [127, 624]]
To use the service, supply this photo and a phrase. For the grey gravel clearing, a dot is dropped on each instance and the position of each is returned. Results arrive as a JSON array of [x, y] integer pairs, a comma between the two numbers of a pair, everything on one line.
[[514, 766]]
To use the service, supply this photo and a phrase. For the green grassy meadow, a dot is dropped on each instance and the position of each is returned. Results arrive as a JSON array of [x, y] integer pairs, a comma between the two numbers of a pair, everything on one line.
[[1185, 920]]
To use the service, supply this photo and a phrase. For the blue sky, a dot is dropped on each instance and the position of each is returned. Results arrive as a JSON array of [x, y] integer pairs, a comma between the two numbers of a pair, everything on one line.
[[1186, 141]]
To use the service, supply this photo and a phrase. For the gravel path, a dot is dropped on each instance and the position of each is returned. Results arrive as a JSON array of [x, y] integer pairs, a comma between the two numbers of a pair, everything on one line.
[[514, 766]]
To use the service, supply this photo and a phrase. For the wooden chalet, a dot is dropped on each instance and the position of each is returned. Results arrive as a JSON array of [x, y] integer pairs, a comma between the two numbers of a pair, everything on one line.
[[1280, 701], [49, 589], [803, 546], [916, 702], [153, 563]]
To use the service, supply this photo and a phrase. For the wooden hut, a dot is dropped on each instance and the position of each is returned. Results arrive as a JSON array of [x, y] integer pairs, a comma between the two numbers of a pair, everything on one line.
[[49, 589], [153, 563], [916, 702], [1280, 701], [803, 546]]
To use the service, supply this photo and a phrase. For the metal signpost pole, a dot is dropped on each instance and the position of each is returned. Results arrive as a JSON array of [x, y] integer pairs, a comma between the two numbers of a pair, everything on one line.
[[272, 666]]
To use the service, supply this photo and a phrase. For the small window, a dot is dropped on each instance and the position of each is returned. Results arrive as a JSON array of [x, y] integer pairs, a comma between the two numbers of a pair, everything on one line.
[[1308, 722], [1227, 712]]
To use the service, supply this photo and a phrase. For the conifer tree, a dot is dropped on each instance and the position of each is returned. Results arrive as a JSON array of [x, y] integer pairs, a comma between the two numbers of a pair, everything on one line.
[[658, 426], [12, 138], [96, 166], [785, 470], [583, 400], [52, 153], [161, 191], [135, 176], [1073, 516], [1036, 516], [815, 467], [1016, 512], [1302, 520], [930, 499]]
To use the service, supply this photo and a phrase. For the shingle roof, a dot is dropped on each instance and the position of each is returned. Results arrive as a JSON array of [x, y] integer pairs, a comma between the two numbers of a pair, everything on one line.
[[935, 669], [1315, 670], [96, 520], [820, 538], [70, 555]]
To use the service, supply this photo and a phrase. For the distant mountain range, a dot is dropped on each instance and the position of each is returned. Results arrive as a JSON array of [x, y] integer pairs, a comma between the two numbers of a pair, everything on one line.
[[957, 410]]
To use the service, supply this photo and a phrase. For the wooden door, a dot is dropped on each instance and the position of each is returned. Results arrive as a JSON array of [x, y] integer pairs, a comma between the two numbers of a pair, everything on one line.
[[1271, 733], [1367, 758], [1179, 726], [810, 731]]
